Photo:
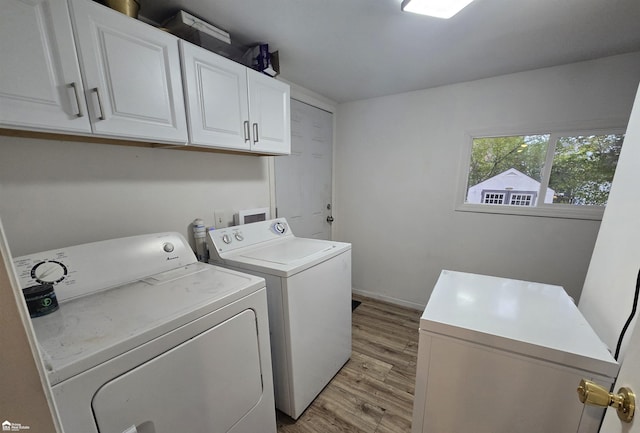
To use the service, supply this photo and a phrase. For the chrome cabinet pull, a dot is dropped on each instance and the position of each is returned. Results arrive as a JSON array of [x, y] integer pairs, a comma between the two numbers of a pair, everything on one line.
[[101, 116], [246, 131], [74, 86], [255, 133]]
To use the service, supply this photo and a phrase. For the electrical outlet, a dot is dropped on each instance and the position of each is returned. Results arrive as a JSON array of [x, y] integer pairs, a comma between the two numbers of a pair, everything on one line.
[[223, 218]]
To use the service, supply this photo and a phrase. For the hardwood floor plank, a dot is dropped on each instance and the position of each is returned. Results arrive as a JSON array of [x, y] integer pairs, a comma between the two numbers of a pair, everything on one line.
[[392, 423], [364, 364], [402, 381], [378, 393]]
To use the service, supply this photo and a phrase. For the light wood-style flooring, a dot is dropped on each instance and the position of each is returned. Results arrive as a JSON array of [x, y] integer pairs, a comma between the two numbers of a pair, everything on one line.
[[373, 393]]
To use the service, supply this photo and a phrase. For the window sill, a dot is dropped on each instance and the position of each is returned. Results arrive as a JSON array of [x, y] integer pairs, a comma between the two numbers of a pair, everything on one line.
[[547, 211]]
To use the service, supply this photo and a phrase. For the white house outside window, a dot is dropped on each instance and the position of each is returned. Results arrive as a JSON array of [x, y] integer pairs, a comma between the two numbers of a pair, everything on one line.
[[563, 175]]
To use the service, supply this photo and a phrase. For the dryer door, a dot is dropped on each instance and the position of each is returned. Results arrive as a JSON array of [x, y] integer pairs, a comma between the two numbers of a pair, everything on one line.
[[206, 384]]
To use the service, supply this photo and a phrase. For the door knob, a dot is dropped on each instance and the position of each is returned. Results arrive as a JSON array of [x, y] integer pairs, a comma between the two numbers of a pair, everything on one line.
[[624, 401], [329, 219]]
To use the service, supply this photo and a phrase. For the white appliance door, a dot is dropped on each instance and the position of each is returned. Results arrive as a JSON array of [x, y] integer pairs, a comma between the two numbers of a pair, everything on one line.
[[187, 389], [318, 303]]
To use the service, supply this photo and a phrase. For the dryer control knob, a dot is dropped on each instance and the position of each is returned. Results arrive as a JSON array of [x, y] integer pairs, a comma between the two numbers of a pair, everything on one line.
[[239, 237], [280, 228], [168, 247], [226, 239]]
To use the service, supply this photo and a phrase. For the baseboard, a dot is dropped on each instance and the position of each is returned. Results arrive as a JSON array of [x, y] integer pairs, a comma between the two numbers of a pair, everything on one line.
[[389, 299]]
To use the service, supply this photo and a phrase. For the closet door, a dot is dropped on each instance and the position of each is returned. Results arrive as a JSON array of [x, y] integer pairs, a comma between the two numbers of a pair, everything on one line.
[[132, 75], [40, 85]]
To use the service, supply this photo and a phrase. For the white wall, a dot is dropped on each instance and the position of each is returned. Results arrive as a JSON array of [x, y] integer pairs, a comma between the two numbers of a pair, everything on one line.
[[611, 280], [397, 161], [55, 194]]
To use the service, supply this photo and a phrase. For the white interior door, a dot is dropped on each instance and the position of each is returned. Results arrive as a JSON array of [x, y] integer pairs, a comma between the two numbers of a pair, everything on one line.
[[629, 376], [608, 293], [303, 179]]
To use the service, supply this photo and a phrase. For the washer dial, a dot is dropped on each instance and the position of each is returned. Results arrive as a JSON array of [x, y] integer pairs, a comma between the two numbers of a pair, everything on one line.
[[49, 271]]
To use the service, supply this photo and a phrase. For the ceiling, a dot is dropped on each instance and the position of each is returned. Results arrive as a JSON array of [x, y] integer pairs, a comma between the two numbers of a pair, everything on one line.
[[348, 50]]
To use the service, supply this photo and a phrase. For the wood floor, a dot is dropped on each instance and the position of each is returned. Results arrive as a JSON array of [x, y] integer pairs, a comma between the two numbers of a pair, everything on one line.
[[373, 393]]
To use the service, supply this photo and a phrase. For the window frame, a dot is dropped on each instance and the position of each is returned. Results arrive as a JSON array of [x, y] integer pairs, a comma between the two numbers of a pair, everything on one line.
[[541, 209]]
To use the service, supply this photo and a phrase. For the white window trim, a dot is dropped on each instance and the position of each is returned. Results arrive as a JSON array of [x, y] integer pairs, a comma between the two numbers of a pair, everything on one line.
[[541, 209]]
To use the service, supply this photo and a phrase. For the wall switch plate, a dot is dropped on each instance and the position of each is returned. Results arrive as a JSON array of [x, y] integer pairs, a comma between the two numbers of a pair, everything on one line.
[[223, 218]]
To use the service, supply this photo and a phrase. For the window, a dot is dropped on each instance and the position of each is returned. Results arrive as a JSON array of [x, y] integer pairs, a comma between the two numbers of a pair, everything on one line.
[[493, 198], [551, 174], [521, 200]]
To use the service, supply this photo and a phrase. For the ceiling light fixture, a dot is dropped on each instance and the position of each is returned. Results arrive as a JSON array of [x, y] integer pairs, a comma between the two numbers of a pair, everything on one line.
[[435, 8]]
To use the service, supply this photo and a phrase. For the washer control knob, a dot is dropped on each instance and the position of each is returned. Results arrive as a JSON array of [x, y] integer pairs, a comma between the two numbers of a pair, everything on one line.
[[168, 247], [280, 228], [239, 236], [226, 239]]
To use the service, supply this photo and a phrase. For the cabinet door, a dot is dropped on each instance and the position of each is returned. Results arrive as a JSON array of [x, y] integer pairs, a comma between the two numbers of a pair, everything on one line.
[[269, 110], [131, 73], [40, 85], [216, 96]]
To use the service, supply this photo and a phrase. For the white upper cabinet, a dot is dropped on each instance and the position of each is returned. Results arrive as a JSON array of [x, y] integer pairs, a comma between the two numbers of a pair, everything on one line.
[[132, 76], [216, 96], [233, 107], [82, 68], [269, 108], [40, 84]]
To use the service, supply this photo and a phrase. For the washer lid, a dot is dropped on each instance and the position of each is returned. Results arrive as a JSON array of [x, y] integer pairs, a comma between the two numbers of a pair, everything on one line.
[[290, 251], [92, 329], [286, 257], [531, 319]]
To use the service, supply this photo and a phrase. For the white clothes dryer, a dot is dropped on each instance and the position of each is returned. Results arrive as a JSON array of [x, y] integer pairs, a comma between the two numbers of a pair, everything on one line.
[[309, 298], [148, 340]]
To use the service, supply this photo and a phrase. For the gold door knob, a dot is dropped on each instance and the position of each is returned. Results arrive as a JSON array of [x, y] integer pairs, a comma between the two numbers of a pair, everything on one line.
[[624, 401]]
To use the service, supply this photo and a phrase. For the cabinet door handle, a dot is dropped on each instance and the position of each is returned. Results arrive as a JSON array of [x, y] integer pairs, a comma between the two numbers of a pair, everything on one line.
[[255, 133], [74, 86], [246, 131], [97, 92]]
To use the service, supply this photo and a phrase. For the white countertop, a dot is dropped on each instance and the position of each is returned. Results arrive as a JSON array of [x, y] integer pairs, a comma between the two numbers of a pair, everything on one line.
[[532, 319]]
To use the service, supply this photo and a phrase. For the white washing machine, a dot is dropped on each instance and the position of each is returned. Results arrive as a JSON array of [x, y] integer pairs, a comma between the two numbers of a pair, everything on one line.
[[497, 355], [309, 297], [148, 340]]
